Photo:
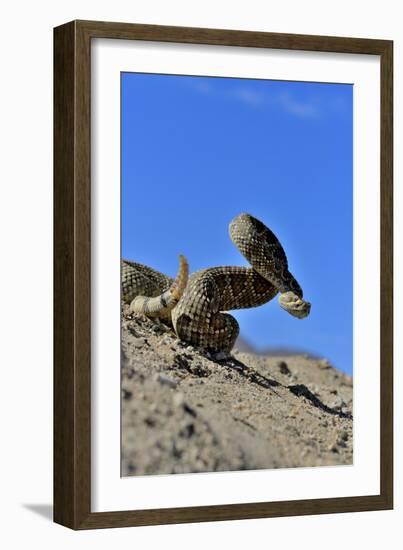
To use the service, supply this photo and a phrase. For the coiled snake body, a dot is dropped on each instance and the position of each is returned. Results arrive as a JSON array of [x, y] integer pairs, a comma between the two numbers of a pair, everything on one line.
[[196, 305]]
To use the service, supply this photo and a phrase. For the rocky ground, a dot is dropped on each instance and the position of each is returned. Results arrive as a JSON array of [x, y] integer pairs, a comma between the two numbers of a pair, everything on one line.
[[184, 411]]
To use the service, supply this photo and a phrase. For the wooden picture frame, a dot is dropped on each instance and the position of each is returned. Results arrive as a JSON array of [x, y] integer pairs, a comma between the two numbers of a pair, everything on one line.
[[72, 271]]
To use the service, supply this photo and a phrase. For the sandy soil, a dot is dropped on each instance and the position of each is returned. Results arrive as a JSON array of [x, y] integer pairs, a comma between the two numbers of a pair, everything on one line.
[[183, 411]]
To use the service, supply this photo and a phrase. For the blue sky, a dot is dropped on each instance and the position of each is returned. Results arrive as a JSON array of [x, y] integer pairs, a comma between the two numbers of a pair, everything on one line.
[[197, 151]]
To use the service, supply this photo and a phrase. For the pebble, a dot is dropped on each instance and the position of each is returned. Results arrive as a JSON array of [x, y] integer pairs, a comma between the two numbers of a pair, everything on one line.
[[283, 368], [188, 409], [337, 403], [126, 394], [138, 342], [167, 381], [187, 431], [344, 435], [132, 330]]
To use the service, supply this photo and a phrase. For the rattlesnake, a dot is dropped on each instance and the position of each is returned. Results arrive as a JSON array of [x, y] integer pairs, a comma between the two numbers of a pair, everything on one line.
[[196, 305]]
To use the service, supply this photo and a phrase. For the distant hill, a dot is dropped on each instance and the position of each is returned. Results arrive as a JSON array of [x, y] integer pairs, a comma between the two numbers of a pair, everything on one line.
[[244, 346]]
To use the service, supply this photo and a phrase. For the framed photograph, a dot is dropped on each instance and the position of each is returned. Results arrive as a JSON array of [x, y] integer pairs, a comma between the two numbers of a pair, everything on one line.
[[222, 274]]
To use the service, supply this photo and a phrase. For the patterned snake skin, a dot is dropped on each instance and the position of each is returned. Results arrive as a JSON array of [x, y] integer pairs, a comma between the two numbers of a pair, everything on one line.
[[195, 305]]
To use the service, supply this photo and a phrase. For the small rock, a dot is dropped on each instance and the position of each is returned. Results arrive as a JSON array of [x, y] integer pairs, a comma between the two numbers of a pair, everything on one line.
[[187, 431], [187, 408], [132, 330], [138, 342], [338, 403], [199, 370], [150, 421], [344, 435], [181, 363], [166, 381], [283, 368], [126, 394]]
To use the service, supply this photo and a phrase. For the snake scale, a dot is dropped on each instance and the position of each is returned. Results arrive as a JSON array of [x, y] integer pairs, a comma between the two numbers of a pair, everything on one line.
[[196, 305]]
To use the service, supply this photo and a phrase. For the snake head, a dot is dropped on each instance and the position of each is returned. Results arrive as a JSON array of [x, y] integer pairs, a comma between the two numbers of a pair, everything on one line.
[[294, 305]]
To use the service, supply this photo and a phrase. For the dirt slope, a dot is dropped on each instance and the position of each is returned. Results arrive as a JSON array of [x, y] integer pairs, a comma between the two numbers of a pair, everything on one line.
[[183, 411]]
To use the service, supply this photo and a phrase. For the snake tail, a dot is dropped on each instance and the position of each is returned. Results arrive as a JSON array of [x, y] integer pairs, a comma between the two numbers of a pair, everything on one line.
[[161, 305]]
